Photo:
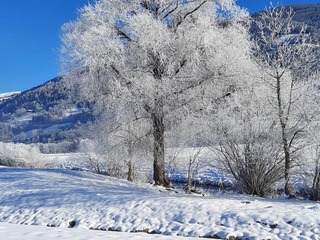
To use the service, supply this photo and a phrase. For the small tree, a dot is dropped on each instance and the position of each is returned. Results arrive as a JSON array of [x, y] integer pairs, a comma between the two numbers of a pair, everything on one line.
[[130, 144], [88, 153], [187, 145], [315, 188], [124, 143], [193, 167], [312, 158], [286, 58]]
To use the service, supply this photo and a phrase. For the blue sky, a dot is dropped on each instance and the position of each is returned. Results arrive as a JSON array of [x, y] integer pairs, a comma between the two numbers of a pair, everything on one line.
[[30, 38], [258, 5]]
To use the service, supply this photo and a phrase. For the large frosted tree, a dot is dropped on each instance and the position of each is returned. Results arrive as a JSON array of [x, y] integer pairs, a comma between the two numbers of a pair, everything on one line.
[[155, 60]]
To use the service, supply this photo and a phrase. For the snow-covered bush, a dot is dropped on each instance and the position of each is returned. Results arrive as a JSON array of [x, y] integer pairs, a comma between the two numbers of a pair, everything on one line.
[[98, 156], [255, 164], [249, 140], [19, 155]]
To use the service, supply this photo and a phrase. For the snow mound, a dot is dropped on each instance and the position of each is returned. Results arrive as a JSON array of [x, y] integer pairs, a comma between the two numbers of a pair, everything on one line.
[[74, 199]]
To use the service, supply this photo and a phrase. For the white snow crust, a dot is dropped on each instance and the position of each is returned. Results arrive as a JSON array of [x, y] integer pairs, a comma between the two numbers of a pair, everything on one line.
[[57, 198], [32, 232]]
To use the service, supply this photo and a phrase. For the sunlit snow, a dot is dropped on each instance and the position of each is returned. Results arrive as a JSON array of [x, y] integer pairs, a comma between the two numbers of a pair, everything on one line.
[[65, 198]]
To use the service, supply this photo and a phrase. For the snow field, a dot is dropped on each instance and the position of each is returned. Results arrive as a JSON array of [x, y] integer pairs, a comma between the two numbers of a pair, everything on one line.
[[63, 198]]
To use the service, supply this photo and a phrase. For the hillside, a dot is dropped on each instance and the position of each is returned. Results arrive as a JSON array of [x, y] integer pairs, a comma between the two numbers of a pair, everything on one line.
[[6, 96], [46, 113], [308, 14]]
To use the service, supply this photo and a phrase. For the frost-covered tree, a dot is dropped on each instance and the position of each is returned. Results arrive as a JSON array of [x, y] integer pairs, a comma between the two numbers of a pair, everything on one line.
[[310, 165], [21, 155], [155, 59], [287, 56], [311, 169]]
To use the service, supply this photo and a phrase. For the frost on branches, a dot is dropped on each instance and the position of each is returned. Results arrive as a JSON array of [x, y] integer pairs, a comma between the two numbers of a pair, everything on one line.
[[155, 61], [288, 61]]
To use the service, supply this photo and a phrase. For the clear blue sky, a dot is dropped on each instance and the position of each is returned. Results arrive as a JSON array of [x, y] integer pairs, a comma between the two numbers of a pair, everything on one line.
[[30, 38], [258, 5]]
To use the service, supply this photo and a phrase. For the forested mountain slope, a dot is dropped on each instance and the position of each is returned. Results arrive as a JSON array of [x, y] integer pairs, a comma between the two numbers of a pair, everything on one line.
[[46, 113], [308, 14]]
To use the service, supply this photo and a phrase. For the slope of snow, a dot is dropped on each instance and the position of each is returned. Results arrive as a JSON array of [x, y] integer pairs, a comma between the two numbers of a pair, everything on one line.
[[4, 96], [63, 198]]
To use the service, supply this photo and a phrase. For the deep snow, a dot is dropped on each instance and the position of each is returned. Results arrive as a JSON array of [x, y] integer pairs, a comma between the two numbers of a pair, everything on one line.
[[59, 198]]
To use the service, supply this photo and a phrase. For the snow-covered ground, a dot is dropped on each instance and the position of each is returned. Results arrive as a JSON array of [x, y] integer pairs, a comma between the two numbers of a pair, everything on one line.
[[205, 170], [65, 198], [32, 232]]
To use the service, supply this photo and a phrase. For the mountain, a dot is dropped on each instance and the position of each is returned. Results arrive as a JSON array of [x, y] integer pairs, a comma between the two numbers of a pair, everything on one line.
[[6, 96], [47, 113], [308, 14], [304, 15]]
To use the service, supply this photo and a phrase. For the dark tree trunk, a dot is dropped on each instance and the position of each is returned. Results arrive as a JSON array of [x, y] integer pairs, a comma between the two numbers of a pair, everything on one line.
[[130, 163], [131, 171], [287, 168], [285, 144], [130, 155], [316, 184], [188, 187], [158, 146]]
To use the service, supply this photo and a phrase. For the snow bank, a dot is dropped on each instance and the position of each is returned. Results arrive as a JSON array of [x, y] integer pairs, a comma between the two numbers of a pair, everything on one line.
[[65, 198]]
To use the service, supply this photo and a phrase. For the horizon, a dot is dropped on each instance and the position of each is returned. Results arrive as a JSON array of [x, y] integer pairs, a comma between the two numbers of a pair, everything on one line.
[[29, 47]]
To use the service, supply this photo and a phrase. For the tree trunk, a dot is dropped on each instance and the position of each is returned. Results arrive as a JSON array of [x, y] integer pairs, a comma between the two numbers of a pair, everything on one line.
[[158, 146], [131, 171], [287, 167], [316, 183], [285, 145], [130, 155], [130, 163], [188, 187]]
